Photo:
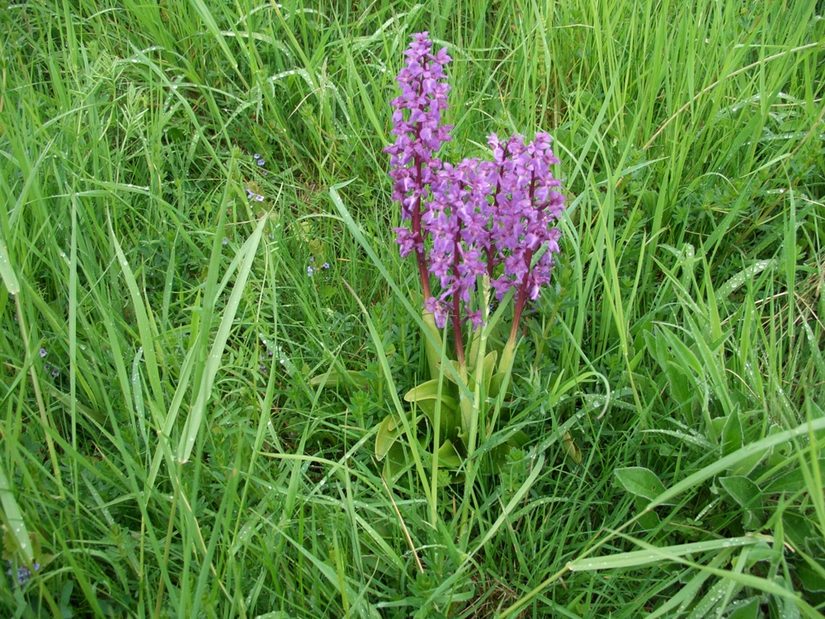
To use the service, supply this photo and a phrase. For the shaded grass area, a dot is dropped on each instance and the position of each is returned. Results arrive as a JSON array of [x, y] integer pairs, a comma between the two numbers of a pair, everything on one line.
[[158, 309]]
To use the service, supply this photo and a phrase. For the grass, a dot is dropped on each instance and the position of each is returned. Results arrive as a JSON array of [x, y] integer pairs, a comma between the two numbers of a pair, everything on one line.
[[165, 449]]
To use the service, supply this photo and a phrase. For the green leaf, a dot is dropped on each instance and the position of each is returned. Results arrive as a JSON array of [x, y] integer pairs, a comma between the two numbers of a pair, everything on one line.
[[213, 362], [495, 384], [425, 397], [743, 276], [647, 520], [448, 457], [733, 439], [812, 580], [791, 481], [639, 481], [746, 610], [732, 434], [717, 424], [212, 26], [742, 490], [337, 378], [395, 463], [747, 452], [489, 368], [388, 432], [573, 451], [429, 391], [748, 496], [449, 417]]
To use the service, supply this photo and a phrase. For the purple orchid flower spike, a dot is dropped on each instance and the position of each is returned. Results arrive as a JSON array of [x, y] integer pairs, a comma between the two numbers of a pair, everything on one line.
[[492, 220], [419, 134]]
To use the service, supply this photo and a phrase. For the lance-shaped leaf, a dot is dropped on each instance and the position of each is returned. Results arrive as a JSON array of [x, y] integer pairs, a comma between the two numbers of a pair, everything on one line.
[[448, 457], [388, 432]]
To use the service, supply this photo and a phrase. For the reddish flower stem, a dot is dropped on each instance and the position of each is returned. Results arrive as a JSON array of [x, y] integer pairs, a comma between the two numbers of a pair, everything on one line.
[[521, 297], [418, 237], [522, 289], [490, 252], [458, 338]]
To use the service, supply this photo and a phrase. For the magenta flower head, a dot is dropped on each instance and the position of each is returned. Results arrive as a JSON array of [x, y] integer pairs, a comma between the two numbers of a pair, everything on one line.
[[457, 218], [419, 134], [526, 205]]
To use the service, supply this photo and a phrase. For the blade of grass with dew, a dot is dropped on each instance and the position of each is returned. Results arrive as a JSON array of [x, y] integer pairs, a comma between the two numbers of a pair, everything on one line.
[[195, 418], [636, 558], [14, 518]]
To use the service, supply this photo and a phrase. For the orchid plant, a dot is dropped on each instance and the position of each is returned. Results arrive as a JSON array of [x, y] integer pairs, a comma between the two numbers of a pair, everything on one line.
[[479, 229]]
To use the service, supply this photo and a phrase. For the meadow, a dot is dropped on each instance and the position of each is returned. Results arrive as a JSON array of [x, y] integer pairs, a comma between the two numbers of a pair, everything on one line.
[[204, 316]]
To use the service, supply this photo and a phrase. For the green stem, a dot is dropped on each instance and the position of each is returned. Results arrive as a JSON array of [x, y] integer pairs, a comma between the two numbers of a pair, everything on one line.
[[505, 369], [471, 413], [432, 344], [436, 446], [505, 364]]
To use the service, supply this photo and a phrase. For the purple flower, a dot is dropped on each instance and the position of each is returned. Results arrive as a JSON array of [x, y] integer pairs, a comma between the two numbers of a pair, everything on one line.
[[458, 220], [253, 195], [480, 217], [23, 573], [526, 206], [494, 217], [419, 134], [438, 309]]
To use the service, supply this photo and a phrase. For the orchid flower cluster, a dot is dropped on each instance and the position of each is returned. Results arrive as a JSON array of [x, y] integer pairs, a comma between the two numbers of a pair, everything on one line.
[[479, 220]]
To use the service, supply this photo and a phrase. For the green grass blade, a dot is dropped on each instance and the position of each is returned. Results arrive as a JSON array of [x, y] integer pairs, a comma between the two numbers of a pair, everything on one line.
[[196, 414]]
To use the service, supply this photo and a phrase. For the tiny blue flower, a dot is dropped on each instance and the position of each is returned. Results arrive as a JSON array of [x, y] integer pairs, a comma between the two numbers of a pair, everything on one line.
[[256, 156], [259, 198], [43, 352], [261, 163], [325, 265], [310, 270], [23, 575]]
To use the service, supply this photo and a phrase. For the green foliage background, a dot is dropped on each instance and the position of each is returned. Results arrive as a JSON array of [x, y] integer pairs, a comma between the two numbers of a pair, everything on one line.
[[685, 327]]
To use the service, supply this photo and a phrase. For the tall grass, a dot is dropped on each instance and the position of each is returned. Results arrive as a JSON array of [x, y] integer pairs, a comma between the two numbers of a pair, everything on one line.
[[187, 415]]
